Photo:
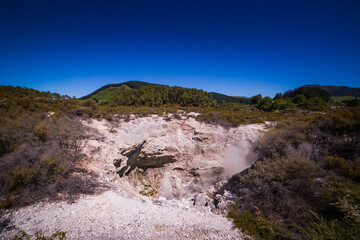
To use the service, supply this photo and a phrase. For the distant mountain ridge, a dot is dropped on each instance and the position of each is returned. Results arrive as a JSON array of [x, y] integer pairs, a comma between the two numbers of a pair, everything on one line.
[[338, 91]]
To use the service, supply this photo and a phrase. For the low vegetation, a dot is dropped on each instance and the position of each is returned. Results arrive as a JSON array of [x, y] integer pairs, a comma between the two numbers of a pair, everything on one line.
[[306, 183], [39, 149], [22, 235]]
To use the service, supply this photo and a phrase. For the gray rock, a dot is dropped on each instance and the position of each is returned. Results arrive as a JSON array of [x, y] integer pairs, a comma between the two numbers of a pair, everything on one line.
[[159, 201], [211, 205], [229, 196], [221, 205], [200, 200]]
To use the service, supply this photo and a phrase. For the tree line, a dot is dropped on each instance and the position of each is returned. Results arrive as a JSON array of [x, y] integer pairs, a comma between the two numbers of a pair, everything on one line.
[[157, 95]]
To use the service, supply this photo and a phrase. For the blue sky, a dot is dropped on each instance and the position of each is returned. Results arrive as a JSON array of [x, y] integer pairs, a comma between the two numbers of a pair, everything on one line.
[[239, 47]]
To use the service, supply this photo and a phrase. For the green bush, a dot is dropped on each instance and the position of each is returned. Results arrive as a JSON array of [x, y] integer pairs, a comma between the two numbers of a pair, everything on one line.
[[265, 104], [256, 99], [335, 163], [42, 132], [22, 235], [43, 172], [349, 169], [52, 169], [299, 99], [23, 176], [257, 226], [343, 199], [331, 229]]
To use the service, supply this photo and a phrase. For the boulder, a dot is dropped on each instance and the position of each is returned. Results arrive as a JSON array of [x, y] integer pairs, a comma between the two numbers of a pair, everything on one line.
[[200, 200], [159, 201], [211, 205]]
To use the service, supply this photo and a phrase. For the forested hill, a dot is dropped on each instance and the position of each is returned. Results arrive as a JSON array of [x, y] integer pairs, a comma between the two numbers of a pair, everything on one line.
[[142, 93], [147, 94], [222, 98], [130, 84], [338, 91], [7, 92]]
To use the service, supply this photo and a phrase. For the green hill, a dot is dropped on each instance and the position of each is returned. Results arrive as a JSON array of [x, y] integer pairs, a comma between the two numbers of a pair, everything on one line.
[[129, 84], [136, 93], [110, 93], [338, 91], [128, 93], [222, 98]]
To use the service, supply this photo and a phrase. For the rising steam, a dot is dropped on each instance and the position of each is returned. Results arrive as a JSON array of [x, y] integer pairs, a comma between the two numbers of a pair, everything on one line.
[[237, 158]]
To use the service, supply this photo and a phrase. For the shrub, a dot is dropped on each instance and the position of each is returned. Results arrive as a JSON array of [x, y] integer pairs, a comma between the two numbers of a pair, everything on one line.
[[42, 172], [278, 142], [349, 169], [257, 226], [42, 132], [283, 188], [52, 169], [22, 235], [331, 229], [335, 163], [265, 104], [343, 200], [23, 176], [256, 99], [299, 99]]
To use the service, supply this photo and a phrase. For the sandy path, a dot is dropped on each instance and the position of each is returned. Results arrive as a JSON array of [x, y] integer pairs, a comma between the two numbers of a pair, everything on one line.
[[113, 215]]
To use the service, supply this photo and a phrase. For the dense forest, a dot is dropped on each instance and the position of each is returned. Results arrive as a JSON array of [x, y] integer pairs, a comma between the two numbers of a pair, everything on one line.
[[157, 95]]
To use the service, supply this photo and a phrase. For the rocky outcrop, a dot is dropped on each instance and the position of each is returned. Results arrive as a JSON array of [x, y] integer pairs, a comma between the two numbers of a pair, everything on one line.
[[223, 201], [138, 156]]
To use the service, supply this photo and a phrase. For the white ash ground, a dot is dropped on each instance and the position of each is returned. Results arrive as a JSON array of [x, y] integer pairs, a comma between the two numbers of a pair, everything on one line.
[[114, 215]]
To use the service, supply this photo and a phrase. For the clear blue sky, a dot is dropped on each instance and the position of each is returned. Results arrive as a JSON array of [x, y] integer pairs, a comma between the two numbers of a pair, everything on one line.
[[239, 47]]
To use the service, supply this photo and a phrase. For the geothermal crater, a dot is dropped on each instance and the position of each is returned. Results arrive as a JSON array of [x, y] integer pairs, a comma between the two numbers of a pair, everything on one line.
[[167, 156]]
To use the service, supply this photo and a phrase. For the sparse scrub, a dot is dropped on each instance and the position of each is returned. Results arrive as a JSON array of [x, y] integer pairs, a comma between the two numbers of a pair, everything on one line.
[[257, 226], [306, 181], [38, 149], [349, 169], [22, 235]]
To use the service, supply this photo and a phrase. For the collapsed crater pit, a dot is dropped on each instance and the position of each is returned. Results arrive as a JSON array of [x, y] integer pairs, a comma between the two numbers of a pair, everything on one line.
[[169, 157]]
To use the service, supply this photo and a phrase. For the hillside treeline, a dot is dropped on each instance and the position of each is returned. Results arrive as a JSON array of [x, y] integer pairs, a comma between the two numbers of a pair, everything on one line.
[[157, 95], [308, 92], [304, 97], [13, 92]]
